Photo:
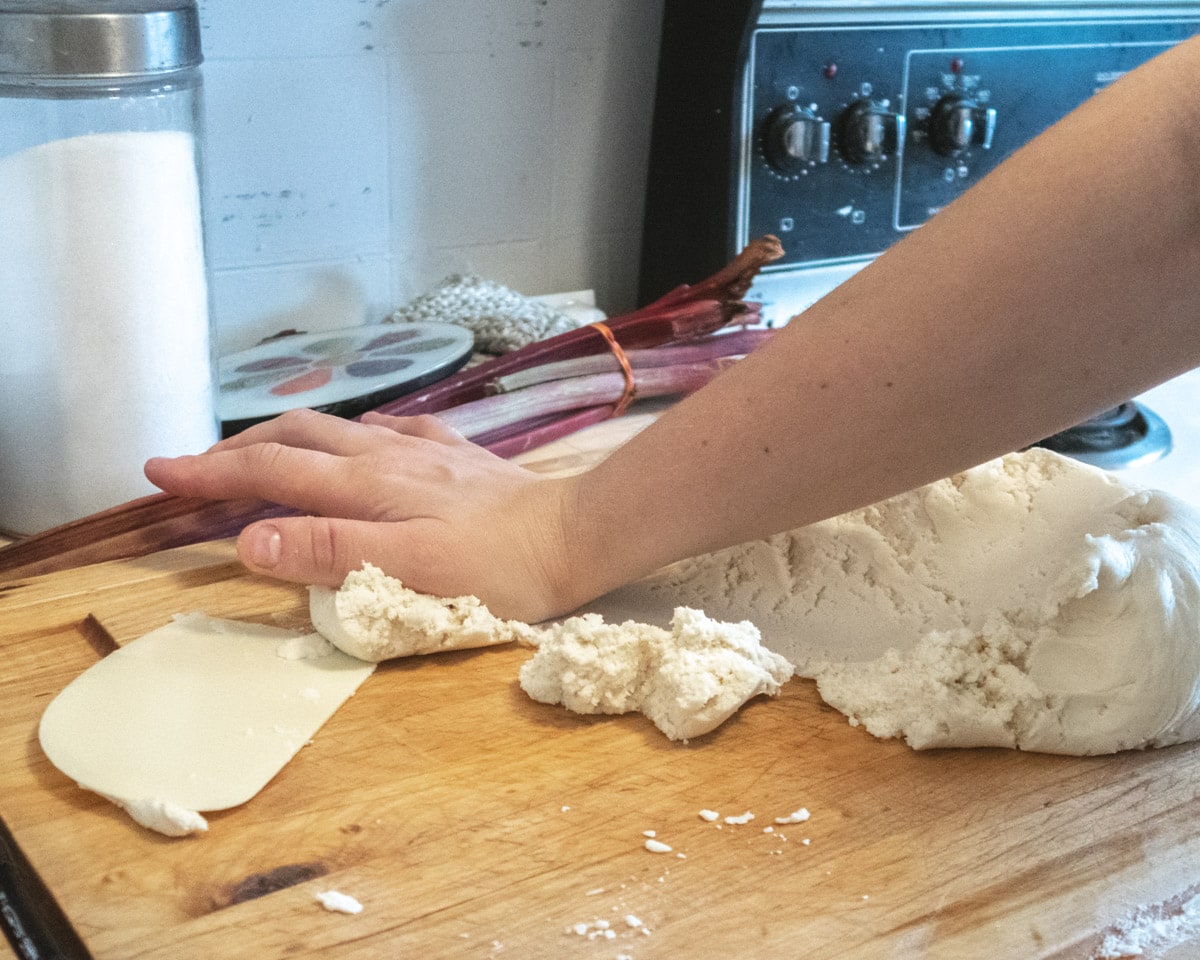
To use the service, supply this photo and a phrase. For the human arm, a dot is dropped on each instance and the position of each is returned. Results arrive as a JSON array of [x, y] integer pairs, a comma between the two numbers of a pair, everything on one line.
[[1066, 281]]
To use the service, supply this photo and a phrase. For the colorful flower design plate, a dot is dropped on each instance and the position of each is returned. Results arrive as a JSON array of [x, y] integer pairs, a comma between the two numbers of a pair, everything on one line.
[[344, 372]]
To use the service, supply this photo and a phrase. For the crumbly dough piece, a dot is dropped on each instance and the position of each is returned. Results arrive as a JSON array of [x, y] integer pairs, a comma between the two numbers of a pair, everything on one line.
[[590, 666], [706, 672], [687, 681], [375, 617], [1032, 602]]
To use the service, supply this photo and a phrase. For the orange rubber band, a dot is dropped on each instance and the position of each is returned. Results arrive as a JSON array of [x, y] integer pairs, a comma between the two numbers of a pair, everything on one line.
[[630, 393]]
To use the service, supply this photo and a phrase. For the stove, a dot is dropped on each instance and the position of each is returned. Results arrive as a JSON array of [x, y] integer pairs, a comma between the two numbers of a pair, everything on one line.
[[842, 126], [1128, 436], [1176, 403]]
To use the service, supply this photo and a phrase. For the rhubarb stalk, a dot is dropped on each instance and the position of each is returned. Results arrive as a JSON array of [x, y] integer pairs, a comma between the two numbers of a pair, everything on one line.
[[686, 313], [736, 343], [491, 413]]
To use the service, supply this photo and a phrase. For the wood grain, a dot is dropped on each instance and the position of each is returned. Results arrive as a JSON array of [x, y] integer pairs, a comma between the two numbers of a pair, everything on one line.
[[472, 822]]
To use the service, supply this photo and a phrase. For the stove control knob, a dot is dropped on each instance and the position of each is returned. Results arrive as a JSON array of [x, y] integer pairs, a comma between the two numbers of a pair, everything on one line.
[[867, 131], [796, 137], [957, 121]]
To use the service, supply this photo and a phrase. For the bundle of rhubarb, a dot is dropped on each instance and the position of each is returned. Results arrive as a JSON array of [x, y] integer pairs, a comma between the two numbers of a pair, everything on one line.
[[513, 403]]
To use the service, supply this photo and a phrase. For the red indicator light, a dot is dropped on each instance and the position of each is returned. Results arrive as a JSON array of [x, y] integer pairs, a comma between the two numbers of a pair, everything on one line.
[[830, 71], [956, 65]]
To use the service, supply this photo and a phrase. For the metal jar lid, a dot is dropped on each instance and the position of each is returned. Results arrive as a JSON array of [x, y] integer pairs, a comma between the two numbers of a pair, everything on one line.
[[97, 38]]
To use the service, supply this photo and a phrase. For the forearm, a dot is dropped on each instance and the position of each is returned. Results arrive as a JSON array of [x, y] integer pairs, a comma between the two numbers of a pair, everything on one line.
[[1065, 282]]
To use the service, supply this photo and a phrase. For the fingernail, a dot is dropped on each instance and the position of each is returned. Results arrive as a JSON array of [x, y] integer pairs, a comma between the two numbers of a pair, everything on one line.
[[266, 546]]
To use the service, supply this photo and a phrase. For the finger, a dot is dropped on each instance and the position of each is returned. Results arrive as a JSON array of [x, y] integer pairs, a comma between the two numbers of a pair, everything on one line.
[[303, 551], [424, 426], [316, 550], [311, 431], [308, 480]]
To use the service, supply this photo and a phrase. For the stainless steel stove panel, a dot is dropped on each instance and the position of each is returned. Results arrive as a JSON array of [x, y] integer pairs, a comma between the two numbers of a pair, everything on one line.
[[852, 135]]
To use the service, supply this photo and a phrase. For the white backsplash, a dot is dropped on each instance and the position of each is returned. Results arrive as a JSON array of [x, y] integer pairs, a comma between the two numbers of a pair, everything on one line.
[[361, 150]]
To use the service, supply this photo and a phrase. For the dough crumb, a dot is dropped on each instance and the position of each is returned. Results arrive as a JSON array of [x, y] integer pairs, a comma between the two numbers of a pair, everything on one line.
[[596, 929], [337, 902], [657, 846], [709, 815], [799, 816]]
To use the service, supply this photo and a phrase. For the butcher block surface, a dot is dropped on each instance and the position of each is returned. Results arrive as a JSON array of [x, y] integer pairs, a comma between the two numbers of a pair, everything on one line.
[[472, 822]]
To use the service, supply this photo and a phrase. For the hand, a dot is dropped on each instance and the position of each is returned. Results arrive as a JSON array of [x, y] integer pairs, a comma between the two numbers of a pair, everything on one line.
[[408, 494]]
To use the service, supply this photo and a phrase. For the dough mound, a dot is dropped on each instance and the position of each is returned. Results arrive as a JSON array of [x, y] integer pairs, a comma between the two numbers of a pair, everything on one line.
[[687, 681], [1032, 602], [375, 617]]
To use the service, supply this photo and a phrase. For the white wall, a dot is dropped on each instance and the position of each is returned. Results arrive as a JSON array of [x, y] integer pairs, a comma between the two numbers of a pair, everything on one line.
[[361, 150]]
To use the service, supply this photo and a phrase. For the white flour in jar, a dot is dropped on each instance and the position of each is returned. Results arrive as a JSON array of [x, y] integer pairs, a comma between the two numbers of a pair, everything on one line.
[[104, 335]]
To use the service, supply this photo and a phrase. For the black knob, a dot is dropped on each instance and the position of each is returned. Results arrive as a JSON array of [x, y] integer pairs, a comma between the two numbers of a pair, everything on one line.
[[867, 131], [957, 121], [795, 137]]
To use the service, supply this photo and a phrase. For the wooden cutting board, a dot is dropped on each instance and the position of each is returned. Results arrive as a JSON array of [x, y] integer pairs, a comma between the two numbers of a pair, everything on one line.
[[471, 822]]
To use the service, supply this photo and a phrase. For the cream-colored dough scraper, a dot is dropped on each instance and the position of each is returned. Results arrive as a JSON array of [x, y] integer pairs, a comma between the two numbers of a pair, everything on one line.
[[197, 715]]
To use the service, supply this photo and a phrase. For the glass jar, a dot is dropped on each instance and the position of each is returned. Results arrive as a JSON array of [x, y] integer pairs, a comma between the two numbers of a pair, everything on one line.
[[106, 352]]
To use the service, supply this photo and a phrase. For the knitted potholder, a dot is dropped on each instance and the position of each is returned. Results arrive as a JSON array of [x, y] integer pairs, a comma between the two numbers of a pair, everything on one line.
[[501, 319]]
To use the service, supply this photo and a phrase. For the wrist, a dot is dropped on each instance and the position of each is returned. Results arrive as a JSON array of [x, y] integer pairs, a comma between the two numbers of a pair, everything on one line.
[[589, 558]]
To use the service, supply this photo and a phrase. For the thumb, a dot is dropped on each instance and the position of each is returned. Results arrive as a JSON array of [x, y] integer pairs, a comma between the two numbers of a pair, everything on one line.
[[310, 550]]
